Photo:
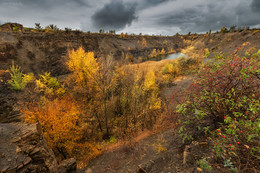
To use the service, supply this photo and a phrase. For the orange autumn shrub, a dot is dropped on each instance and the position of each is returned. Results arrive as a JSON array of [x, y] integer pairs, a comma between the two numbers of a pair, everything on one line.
[[63, 127]]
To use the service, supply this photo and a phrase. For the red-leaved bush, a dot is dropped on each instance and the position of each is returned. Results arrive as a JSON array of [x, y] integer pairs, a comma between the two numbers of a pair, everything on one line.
[[223, 102]]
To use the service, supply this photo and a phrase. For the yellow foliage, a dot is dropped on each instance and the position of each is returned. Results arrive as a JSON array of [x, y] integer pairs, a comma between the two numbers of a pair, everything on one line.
[[149, 81], [169, 68], [171, 51], [153, 53], [188, 42], [188, 50], [223, 30], [256, 31], [159, 148], [59, 119], [246, 43], [62, 125], [122, 35], [83, 65], [206, 52], [49, 85], [162, 51], [169, 72], [159, 145], [166, 78], [143, 42], [29, 77], [155, 102]]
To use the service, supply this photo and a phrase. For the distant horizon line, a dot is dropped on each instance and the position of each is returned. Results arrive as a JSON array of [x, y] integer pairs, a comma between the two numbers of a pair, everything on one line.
[[112, 31]]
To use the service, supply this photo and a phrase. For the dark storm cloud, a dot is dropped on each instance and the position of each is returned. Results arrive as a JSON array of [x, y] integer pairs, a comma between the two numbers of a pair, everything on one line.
[[256, 6], [115, 15], [201, 18], [154, 16]]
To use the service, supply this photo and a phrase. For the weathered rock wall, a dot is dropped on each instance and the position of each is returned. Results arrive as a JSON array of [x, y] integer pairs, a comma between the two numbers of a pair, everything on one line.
[[23, 149], [39, 52]]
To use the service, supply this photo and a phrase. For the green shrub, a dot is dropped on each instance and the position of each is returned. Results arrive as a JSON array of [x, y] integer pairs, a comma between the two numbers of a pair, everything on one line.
[[112, 140], [15, 28], [18, 79], [226, 96], [52, 27], [203, 163]]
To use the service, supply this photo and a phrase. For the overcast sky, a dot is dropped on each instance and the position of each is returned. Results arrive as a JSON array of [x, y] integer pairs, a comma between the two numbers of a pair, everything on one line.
[[133, 16]]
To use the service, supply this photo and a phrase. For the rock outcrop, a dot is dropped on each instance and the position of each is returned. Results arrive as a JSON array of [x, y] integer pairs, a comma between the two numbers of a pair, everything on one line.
[[22, 146], [23, 149], [9, 27], [69, 165]]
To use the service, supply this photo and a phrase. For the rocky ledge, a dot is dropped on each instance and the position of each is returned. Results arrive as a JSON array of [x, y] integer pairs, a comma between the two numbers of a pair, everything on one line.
[[23, 149]]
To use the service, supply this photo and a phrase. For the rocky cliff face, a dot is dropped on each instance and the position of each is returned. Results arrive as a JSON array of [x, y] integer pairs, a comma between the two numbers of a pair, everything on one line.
[[22, 146], [40, 52], [23, 149]]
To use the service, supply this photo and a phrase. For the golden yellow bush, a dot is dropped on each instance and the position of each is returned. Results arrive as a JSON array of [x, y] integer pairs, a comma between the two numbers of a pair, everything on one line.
[[162, 51], [153, 53], [122, 35], [149, 81], [83, 65], [143, 42]]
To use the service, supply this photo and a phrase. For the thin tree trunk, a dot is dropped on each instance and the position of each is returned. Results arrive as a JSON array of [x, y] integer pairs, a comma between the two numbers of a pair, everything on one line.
[[105, 110]]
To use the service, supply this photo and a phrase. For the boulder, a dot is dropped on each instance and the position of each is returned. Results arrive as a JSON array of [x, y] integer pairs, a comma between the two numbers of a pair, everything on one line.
[[69, 165]]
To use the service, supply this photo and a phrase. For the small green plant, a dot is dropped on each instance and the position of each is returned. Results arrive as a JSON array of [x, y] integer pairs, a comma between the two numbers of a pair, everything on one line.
[[15, 28], [112, 140], [228, 163], [38, 26], [204, 164], [207, 53], [52, 27], [18, 79]]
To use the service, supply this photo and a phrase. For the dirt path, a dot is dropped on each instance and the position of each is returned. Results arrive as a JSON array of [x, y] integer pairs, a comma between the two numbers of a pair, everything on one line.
[[180, 84], [143, 156]]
